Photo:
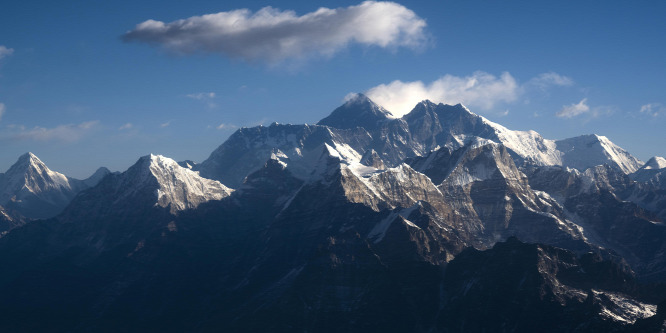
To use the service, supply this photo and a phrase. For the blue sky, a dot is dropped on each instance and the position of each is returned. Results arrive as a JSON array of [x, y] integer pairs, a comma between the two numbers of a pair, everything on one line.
[[85, 84]]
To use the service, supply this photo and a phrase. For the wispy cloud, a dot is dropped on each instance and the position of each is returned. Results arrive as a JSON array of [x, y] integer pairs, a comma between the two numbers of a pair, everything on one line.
[[653, 109], [480, 90], [546, 80], [224, 126], [163, 125], [205, 97], [202, 95], [573, 110], [2, 110], [62, 133], [273, 35], [5, 51], [125, 127]]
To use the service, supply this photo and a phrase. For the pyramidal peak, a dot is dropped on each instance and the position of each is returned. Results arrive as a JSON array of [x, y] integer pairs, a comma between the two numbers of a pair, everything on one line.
[[30, 172], [33, 190], [26, 161], [357, 111]]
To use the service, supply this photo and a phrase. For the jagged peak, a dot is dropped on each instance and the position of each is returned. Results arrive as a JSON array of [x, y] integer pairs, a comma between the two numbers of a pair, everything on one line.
[[427, 105], [276, 160], [177, 188]]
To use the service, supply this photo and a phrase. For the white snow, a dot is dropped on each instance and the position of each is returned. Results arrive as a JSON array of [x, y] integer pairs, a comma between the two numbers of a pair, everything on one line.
[[625, 309], [529, 145], [586, 151], [655, 163], [29, 175], [179, 188]]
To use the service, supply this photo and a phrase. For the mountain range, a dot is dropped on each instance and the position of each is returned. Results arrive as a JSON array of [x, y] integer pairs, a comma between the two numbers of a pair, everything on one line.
[[438, 221]]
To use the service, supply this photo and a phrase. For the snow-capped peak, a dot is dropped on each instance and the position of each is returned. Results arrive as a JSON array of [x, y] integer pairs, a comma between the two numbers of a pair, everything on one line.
[[358, 111], [586, 151], [178, 188], [655, 163], [30, 174], [34, 190]]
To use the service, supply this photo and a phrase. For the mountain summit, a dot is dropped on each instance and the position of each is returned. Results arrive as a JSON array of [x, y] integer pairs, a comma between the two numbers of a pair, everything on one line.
[[155, 180], [358, 111], [35, 191]]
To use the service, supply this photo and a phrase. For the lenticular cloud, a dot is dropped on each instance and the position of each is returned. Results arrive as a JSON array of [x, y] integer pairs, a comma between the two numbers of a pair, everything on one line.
[[272, 35]]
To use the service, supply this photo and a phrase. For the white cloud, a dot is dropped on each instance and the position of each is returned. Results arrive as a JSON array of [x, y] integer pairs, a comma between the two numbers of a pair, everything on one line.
[[226, 126], [163, 125], [2, 110], [62, 133], [206, 97], [202, 96], [5, 52], [480, 90], [573, 110], [545, 80], [653, 109], [125, 127], [273, 35]]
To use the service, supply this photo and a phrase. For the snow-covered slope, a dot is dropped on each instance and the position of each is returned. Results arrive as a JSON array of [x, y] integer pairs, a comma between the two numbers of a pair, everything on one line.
[[444, 125], [33, 190], [248, 149], [529, 146], [653, 172], [586, 151], [172, 186], [655, 163]]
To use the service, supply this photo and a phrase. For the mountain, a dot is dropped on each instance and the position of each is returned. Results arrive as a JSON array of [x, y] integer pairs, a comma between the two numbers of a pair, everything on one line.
[[363, 222], [358, 111], [440, 125], [481, 181], [652, 172], [360, 126], [655, 163], [96, 177], [154, 180], [33, 191], [9, 220], [522, 287], [586, 151], [30, 188], [613, 211], [248, 149]]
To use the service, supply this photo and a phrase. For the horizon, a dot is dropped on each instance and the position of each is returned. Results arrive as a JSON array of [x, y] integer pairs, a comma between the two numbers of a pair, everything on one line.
[[84, 85]]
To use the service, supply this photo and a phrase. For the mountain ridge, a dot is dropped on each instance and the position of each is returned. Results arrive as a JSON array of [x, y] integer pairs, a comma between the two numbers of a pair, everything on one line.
[[404, 223]]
